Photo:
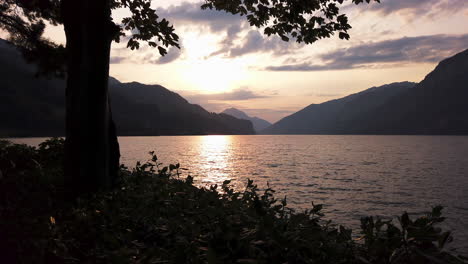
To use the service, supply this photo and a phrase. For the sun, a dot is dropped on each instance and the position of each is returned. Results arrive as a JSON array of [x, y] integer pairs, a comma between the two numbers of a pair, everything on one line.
[[209, 73], [215, 75]]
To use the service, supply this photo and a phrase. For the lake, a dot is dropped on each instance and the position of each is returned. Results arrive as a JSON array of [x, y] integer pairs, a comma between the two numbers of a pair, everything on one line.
[[353, 176]]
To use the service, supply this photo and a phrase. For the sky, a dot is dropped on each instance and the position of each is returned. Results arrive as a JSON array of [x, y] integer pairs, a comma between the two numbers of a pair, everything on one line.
[[223, 62]]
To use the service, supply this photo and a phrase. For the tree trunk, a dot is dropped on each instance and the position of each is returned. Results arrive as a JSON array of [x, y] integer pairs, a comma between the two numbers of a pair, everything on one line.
[[91, 148]]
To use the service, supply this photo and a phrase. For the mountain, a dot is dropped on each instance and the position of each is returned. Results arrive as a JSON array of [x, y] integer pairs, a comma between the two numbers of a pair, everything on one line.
[[36, 106], [176, 116], [336, 116], [28, 104], [258, 123], [437, 105]]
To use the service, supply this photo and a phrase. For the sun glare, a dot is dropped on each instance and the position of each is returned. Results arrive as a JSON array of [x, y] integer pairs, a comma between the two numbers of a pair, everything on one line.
[[215, 152], [206, 73], [214, 75]]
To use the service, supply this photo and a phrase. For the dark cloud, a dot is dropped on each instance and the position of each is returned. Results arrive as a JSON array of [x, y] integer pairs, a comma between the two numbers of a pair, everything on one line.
[[424, 49], [419, 7], [254, 42], [234, 44], [191, 13]]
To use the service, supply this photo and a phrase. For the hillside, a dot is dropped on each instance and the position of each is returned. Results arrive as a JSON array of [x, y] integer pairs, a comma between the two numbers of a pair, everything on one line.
[[437, 105], [36, 106], [336, 116]]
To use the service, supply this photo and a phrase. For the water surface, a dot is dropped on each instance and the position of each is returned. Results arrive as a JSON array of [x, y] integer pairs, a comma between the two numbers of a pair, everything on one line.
[[353, 176]]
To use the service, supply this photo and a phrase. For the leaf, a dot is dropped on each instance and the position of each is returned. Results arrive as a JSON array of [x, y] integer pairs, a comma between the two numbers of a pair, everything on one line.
[[162, 51], [172, 167], [343, 35], [226, 182]]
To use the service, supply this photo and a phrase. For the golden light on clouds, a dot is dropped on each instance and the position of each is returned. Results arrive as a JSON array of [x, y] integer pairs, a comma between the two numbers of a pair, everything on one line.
[[397, 40], [214, 75]]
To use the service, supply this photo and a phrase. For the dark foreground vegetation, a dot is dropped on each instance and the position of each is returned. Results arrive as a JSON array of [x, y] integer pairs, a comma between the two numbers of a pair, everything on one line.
[[154, 216]]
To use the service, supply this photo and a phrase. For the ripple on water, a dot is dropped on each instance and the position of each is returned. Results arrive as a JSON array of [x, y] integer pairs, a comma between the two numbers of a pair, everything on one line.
[[353, 176]]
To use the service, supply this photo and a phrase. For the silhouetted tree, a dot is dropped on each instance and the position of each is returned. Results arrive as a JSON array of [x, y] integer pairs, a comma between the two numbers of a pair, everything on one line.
[[92, 152]]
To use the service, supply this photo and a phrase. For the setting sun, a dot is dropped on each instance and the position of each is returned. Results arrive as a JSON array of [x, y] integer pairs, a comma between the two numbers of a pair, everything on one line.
[[214, 75]]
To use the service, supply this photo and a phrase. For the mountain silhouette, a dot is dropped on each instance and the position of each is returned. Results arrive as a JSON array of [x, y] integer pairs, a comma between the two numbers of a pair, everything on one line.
[[258, 123], [36, 106], [437, 105], [176, 116], [336, 116]]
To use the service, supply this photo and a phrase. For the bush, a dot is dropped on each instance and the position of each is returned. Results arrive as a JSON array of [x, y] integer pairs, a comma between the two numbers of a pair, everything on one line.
[[155, 217]]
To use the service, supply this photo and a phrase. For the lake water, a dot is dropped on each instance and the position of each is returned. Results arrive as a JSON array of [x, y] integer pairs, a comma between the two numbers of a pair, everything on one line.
[[353, 176]]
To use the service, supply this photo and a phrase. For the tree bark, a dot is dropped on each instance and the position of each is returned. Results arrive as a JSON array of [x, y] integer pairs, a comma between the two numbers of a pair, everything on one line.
[[91, 147]]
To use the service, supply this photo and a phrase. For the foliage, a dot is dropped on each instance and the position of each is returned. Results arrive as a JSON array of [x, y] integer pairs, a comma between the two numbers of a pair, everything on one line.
[[154, 216], [305, 20], [29, 178], [414, 241], [24, 21]]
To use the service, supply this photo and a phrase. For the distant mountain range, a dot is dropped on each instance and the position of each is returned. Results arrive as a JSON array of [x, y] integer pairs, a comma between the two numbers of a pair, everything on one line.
[[437, 105], [258, 123], [172, 114], [36, 106], [336, 116]]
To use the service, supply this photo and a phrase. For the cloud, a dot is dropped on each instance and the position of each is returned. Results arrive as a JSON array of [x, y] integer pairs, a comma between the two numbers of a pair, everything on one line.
[[239, 99], [423, 49], [116, 59], [306, 67], [254, 42], [173, 54], [191, 13], [419, 7], [235, 95], [145, 55], [236, 42]]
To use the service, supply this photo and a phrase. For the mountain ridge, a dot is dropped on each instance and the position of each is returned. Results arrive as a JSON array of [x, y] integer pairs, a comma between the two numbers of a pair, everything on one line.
[[258, 123], [36, 106], [435, 106], [328, 117]]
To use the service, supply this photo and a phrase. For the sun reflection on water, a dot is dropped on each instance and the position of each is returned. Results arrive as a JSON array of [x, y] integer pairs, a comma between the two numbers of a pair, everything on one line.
[[216, 158]]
